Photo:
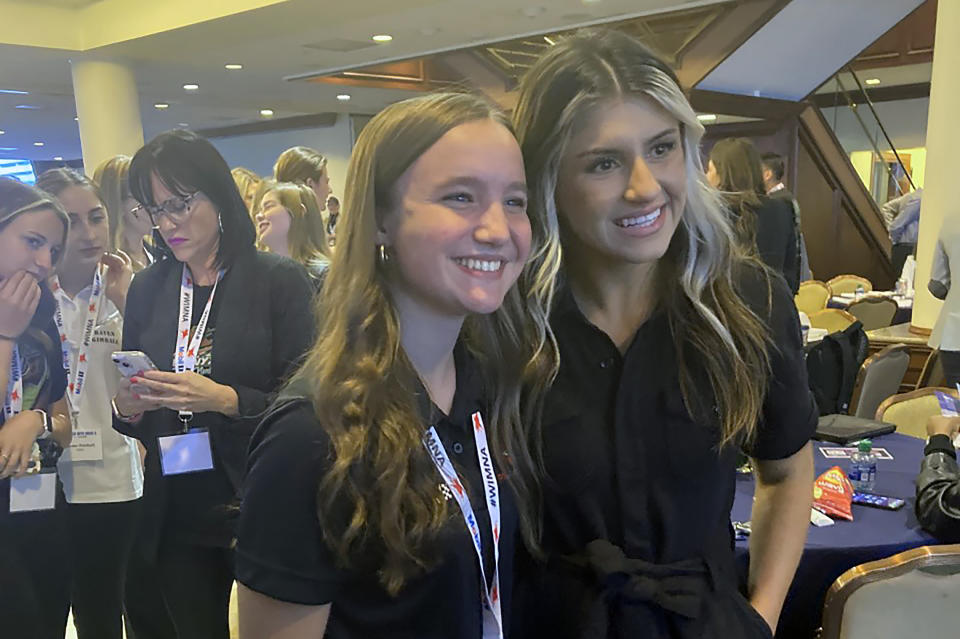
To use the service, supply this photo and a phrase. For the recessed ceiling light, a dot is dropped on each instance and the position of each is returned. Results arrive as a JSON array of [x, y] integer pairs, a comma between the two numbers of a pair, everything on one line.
[[343, 97], [14, 92], [872, 81], [707, 117], [2, 131], [183, 125], [26, 106], [191, 87], [38, 144], [161, 105], [58, 158], [383, 37], [267, 113], [76, 119], [8, 148], [233, 67]]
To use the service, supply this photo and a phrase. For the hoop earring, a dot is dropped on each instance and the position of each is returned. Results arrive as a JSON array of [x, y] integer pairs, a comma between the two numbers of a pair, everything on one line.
[[383, 256]]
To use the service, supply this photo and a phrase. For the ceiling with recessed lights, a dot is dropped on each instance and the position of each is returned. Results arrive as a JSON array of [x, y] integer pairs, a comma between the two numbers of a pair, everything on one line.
[[278, 45]]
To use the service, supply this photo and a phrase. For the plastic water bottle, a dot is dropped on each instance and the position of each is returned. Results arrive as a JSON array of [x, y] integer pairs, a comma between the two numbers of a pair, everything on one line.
[[863, 468]]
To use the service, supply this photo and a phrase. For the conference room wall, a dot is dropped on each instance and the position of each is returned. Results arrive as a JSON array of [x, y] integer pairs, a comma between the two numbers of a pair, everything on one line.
[[258, 151]]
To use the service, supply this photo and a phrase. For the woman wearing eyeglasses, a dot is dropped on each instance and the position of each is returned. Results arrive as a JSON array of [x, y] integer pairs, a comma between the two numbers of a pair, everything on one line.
[[224, 325]]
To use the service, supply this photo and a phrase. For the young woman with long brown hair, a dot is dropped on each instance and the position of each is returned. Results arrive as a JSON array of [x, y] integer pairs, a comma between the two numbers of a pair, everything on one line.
[[675, 351], [289, 223], [384, 497]]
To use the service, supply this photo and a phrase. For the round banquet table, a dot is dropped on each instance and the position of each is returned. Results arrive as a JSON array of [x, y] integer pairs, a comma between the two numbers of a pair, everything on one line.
[[832, 550]]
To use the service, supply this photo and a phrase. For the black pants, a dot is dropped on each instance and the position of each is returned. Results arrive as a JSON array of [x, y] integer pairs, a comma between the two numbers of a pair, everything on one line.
[[951, 367], [196, 583], [899, 254], [144, 607], [34, 574], [101, 537]]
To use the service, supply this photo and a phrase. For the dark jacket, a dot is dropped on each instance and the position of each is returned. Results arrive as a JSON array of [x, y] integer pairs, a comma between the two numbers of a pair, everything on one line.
[[938, 491], [777, 239], [264, 325]]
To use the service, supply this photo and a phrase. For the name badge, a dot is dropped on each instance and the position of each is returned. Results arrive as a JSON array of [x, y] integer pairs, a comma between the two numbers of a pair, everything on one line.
[[189, 452], [85, 445], [33, 493]]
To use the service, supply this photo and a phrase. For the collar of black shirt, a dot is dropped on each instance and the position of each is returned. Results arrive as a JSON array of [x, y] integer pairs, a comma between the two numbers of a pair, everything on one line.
[[468, 397]]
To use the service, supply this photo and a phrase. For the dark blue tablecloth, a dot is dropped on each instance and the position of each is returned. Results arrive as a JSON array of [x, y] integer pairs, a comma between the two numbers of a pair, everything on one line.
[[830, 551]]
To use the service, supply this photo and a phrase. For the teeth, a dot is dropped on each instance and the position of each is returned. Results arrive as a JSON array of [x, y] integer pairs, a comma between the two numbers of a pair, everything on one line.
[[643, 220], [480, 265]]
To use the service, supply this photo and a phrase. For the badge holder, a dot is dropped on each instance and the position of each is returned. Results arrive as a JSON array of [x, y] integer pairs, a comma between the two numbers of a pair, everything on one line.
[[188, 452], [34, 492]]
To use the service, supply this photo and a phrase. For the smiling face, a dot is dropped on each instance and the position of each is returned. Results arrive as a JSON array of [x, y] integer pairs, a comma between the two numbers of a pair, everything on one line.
[[273, 224], [31, 242], [458, 232], [89, 234], [622, 183], [193, 241]]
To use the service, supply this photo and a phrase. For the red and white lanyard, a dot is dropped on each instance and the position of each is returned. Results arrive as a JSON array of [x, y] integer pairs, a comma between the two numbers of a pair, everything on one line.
[[13, 400], [185, 357], [492, 615], [76, 375]]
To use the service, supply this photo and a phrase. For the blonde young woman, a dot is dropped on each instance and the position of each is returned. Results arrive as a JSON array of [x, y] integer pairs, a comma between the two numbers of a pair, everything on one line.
[[406, 421], [303, 165], [130, 228], [290, 223], [675, 351]]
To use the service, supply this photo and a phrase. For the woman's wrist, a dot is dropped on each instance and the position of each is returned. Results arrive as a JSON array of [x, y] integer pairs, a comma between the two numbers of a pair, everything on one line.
[[123, 416], [229, 401]]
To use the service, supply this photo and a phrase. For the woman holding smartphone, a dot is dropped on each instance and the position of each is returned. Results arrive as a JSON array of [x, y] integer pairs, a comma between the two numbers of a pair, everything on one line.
[[676, 351], [35, 423], [101, 473], [385, 494], [224, 324]]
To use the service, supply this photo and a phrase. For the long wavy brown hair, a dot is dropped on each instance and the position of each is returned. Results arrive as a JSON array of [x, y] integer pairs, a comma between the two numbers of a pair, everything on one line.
[[740, 174], [719, 341], [363, 386]]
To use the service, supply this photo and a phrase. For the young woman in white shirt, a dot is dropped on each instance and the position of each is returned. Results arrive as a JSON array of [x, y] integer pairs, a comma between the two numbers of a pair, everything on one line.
[[101, 471]]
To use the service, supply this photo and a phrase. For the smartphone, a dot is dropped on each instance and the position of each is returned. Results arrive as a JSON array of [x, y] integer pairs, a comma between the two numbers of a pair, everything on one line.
[[878, 501], [131, 363]]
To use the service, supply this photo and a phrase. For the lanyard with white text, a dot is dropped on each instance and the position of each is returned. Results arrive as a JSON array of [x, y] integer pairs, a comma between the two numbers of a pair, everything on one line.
[[185, 357], [76, 375], [13, 400], [492, 616]]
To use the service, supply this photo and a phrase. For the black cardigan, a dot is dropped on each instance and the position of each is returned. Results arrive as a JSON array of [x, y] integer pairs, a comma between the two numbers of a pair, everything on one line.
[[777, 239], [264, 325]]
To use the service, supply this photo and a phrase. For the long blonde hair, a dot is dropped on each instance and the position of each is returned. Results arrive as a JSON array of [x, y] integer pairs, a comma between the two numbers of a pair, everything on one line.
[[307, 237], [111, 178], [362, 385], [713, 329]]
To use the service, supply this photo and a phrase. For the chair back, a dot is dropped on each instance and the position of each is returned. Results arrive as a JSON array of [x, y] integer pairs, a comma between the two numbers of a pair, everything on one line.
[[812, 296], [914, 593], [874, 312], [909, 411], [848, 284], [932, 373], [833, 320], [879, 378]]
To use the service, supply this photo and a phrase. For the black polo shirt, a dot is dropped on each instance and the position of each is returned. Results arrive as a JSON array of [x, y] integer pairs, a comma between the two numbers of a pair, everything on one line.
[[281, 552], [628, 464]]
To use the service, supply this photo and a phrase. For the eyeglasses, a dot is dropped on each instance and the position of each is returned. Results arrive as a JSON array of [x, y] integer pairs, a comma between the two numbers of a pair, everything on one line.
[[176, 209]]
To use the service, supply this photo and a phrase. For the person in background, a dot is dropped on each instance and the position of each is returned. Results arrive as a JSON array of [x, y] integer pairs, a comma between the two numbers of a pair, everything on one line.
[[676, 352], [902, 216], [101, 472], [130, 229], [773, 171], [247, 183], [289, 223], [374, 504], [763, 223], [945, 335], [35, 423], [938, 484], [224, 324], [303, 165], [333, 215]]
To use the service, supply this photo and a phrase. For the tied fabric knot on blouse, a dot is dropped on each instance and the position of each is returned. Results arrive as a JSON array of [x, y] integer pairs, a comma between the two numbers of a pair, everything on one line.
[[678, 588]]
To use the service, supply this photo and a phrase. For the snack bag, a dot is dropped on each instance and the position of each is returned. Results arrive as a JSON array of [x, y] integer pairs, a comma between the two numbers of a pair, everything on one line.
[[833, 494]]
